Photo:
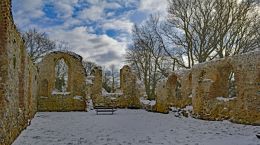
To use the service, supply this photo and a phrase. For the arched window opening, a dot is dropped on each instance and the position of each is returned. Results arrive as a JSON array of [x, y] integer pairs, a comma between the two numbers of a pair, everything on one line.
[[232, 88], [61, 71], [178, 88]]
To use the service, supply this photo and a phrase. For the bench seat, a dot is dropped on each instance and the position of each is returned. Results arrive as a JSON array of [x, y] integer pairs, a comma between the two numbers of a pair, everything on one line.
[[104, 109]]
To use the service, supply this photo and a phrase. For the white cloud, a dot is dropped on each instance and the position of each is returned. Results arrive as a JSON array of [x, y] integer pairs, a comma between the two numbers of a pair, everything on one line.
[[30, 8], [118, 24], [94, 13], [64, 7], [154, 6], [98, 48], [27, 10]]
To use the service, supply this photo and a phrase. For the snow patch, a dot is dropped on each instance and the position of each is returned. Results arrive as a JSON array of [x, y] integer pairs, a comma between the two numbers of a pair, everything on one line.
[[180, 112], [136, 127], [112, 95], [225, 99], [208, 80], [147, 102], [78, 97], [43, 97], [90, 105], [89, 80], [188, 108], [60, 93]]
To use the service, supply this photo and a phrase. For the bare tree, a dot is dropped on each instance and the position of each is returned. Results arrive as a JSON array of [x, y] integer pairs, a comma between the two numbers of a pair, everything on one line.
[[202, 30], [106, 81], [88, 65], [113, 75], [37, 44], [63, 46], [147, 55]]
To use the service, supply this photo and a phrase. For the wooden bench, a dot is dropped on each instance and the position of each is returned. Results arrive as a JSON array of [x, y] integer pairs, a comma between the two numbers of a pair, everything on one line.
[[105, 109]]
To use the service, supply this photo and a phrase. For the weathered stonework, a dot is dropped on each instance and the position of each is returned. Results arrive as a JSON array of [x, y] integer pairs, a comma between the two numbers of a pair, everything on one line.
[[96, 88], [210, 82], [71, 100], [174, 91], [18, 79], [24, 87], [127, 97], [129, 87]]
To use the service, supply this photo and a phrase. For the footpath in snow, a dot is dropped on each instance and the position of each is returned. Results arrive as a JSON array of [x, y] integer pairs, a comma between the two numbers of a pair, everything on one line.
[[132, 127]]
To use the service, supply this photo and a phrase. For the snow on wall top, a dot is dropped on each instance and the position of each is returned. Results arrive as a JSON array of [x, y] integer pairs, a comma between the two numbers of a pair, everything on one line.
[[215, 61]]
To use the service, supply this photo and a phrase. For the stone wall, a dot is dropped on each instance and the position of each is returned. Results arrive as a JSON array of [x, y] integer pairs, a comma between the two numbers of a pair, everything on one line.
[[18, 79], [174, 91], [96, 87], [210, 89], [208, 86], [128, 95], [129, 87], [71, 100]]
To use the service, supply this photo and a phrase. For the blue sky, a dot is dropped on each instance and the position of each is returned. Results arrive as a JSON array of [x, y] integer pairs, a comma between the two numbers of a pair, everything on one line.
[[98, 30]]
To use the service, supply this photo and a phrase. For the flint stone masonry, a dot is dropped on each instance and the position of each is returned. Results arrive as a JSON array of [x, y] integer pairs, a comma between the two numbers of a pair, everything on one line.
[[174, 91], [96, 87], [210, 82], [208, 86], [18, 79], [26, 88], [128, 95], [49, 99], [129, 87]]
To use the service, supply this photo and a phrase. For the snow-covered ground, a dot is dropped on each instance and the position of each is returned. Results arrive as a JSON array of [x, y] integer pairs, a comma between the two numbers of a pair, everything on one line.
[[132, 127]]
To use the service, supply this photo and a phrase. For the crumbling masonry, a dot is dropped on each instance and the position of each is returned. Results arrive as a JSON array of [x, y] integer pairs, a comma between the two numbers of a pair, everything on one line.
[[18, 79], [25, 87], [128, 97], [50, 99], [221, 89]]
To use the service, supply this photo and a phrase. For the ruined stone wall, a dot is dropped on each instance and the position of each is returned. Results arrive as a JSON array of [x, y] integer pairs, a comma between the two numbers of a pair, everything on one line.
[[96, 87], [174, 91], [211, 100], [208, 84], [18, 79], [128, 95], [71, 100], [129, 87]]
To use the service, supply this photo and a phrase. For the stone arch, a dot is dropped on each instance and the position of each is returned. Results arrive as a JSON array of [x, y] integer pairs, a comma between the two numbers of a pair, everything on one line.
[[179, 88], [76, 71], [76, 83], [61, 75], [227, 81]]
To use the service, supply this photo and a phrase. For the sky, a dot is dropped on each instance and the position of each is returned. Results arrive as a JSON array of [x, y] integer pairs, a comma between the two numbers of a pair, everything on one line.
[[98, 30]]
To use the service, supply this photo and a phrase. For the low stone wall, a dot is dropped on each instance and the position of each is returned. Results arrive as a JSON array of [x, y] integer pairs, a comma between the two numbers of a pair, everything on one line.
[[18, 79], [61, 103]]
